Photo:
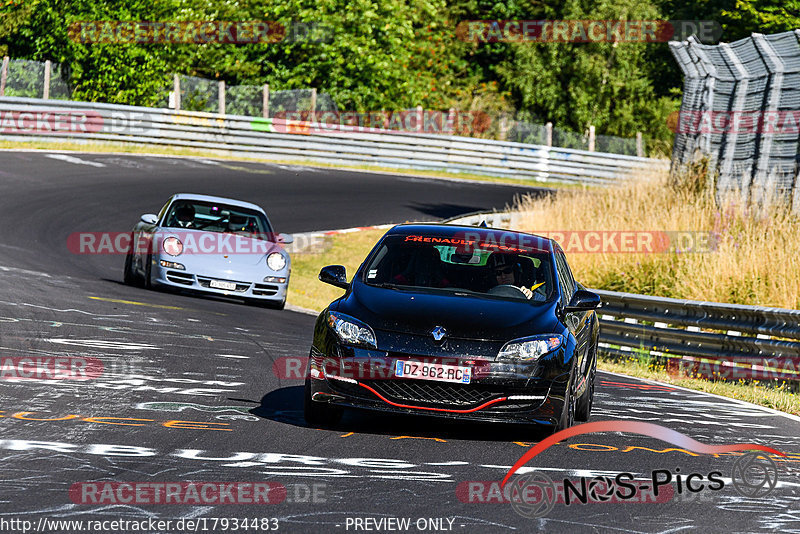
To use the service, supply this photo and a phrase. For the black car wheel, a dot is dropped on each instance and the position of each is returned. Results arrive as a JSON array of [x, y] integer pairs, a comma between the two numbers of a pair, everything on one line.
[[585, 403], [147, 283], [269, 304], [319, 413], [129, 277], [568, 412]]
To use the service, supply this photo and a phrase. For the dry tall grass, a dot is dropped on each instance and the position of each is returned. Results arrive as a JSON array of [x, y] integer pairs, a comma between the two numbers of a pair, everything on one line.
[[756, 259]]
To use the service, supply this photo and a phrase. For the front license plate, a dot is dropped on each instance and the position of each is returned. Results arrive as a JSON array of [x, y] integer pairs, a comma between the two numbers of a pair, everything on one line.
[[219, 284], [433, 371]]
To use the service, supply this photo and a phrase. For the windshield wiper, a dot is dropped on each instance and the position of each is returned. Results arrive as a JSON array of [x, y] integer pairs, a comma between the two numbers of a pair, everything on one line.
[[387, 285]]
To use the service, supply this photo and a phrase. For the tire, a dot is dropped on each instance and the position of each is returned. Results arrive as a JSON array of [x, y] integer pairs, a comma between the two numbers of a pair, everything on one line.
[[128, 275], [269, 304], [568, 412], [319, 413], [584, 406], [147, 283]]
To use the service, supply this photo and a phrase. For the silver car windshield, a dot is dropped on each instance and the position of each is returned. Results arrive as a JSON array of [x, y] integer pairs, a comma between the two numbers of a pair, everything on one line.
[[213, 217], [439, 266]]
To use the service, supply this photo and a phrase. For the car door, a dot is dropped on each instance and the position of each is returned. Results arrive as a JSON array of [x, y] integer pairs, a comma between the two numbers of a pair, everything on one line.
[[578, 323]]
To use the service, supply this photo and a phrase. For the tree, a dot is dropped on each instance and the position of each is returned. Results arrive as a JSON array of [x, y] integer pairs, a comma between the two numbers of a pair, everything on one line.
[[605, 84]]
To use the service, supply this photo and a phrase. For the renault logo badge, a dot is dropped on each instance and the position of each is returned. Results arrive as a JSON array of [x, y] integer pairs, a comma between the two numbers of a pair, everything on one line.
[[439, 333]]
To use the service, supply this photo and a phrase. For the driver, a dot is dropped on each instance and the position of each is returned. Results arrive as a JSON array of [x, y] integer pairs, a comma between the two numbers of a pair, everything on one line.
[[507, 271], [184, 216]]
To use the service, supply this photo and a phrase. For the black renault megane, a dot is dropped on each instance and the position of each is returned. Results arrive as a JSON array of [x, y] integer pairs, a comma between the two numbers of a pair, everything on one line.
[[457, 322]]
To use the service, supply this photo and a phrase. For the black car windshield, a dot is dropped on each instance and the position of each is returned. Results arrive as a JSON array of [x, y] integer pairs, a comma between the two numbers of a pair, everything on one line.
[[214, 217], [448, 265]]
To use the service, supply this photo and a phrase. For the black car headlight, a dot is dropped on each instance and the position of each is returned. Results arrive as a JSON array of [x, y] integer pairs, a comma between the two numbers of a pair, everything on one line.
[[351, 331], [530, 349]]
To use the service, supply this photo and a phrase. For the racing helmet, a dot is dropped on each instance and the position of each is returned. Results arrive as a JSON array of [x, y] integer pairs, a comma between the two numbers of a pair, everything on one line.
[[185, 215]]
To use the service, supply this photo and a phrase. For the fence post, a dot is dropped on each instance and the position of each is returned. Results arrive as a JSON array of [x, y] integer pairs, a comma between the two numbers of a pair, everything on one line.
[[639, 145], [503, 127], [265, 101], [176, 83], [591, 138], [313, 116], [221, 96], [549, 133], [46, 90], [450, 125], [3, 75]]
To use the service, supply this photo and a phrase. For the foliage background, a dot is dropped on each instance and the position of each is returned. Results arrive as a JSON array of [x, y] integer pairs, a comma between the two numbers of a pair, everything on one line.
[[396, 54]]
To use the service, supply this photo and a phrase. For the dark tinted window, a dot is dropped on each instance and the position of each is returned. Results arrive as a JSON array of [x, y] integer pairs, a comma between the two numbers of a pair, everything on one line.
[[448, 265], [565, 276], [213, 217]]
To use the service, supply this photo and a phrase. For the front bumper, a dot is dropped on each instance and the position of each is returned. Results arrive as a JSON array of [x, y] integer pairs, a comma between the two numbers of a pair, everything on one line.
[[495, 394], [200, 282]]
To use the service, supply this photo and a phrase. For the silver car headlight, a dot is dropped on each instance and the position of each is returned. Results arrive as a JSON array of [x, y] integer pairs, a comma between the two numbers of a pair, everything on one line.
[[172, 246], [530, 349], [351, 331], [276, 261]]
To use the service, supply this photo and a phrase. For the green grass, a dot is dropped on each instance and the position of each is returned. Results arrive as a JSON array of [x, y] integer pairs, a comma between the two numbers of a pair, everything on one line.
[[349, 250]]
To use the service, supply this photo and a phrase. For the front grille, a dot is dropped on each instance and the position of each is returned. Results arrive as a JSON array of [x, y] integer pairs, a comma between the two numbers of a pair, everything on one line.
[[423, 392], [241, 287], [179, 277], [264, 289]]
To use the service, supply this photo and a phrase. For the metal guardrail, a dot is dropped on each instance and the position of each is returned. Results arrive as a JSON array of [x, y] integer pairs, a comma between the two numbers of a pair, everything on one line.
[[709, 339], [730, 336], [27, 118], [728, 330]]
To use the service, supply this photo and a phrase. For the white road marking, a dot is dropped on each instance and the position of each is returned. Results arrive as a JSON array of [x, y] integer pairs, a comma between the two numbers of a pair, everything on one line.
[[735, 401], [23, 271], [73, 159], [102, 344]]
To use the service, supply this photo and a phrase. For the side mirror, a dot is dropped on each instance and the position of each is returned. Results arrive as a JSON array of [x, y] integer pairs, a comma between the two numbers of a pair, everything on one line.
[[583, 300], [285, 239], [335, 275], [149, 218]]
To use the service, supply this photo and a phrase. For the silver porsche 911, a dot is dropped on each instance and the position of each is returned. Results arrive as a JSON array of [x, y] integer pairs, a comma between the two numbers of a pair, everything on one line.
[[212, 245]]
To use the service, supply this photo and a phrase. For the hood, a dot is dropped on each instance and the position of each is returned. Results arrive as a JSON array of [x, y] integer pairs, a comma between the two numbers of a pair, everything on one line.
[[464, 317], [218, 250]]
